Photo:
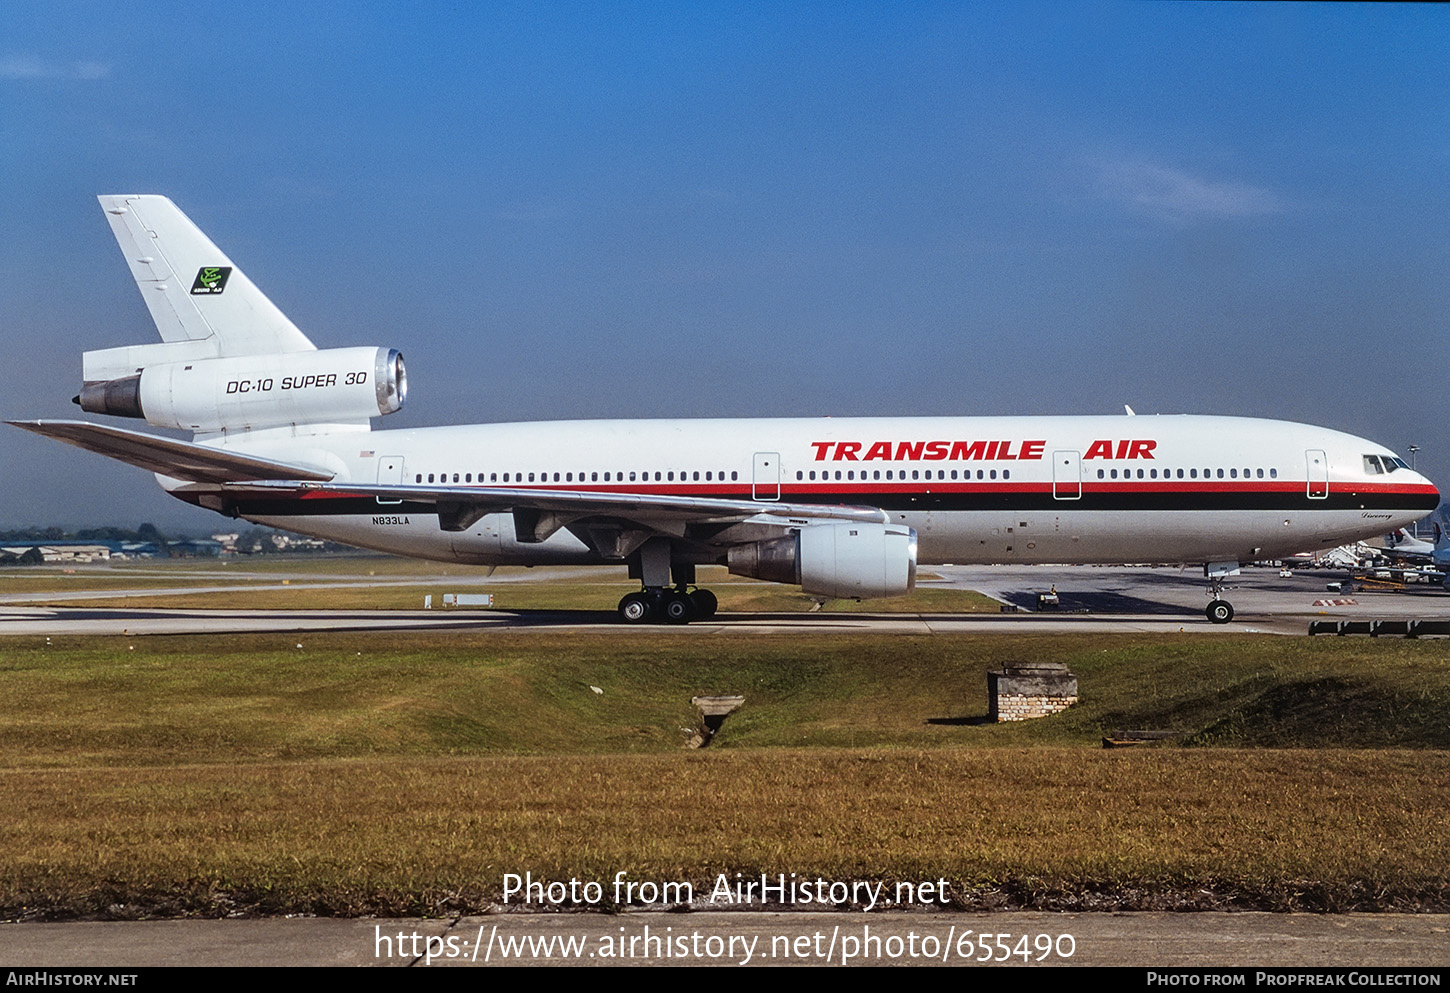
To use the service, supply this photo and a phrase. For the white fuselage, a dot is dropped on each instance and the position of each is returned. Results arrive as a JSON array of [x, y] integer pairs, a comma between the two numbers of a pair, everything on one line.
[[1176, 488]]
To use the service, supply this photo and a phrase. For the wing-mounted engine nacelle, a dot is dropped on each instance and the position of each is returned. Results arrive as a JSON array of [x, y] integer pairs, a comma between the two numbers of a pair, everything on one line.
[[835, 560], [335, 385]]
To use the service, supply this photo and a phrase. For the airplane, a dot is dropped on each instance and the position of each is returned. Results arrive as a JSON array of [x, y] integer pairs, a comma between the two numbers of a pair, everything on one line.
[[1402, 546], [841, 507]]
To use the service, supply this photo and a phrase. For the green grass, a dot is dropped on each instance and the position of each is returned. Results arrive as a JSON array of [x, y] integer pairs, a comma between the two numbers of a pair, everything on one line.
[[406, 772], [166, 700]]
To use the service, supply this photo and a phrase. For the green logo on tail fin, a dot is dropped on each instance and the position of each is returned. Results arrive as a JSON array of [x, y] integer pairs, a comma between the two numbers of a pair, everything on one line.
[[210, 279]]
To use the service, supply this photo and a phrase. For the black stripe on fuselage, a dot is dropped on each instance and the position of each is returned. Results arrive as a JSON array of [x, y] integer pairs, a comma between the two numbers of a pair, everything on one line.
[[982, 500]]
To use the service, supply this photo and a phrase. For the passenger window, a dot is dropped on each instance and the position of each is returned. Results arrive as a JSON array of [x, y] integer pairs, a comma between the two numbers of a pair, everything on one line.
[[1114, 473], [430, 477], [994, 473], [1220, 474], [1101, 473], [1234, 473], [1193, 473], [1273, 473], [1007, 474], [419, 478], [798, 474], [734, 475]]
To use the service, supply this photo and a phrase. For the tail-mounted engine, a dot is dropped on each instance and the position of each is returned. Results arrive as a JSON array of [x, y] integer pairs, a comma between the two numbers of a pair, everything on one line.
[[206, 395]]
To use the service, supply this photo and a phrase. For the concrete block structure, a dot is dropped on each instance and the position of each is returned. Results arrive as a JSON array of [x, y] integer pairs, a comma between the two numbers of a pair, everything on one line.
[[1024, 692]]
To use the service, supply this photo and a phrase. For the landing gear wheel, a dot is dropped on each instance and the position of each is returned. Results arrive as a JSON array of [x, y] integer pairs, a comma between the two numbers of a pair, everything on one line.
[[636, 608], [1220, 611], [705, 604], [678, 608]]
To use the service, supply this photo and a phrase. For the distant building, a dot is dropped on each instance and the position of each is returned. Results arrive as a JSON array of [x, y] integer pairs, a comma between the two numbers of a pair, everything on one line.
[[55, 551]]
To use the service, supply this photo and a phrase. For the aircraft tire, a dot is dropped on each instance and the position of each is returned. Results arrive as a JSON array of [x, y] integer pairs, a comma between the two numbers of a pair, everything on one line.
[[678, 608], [636, 608], [705, 604], [1219, 612]]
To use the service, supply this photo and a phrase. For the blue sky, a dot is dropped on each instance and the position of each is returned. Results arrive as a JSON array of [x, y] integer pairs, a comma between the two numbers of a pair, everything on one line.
[[660, 210]]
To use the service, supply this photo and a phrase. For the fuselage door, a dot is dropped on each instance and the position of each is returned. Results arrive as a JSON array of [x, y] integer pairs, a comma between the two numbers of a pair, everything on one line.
[[1318, 473], [765, 477], [1067, 475], [390, 471]]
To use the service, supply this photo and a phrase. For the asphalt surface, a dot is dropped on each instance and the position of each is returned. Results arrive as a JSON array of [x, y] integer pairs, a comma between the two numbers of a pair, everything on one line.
[[1091, 599], [751, 938]]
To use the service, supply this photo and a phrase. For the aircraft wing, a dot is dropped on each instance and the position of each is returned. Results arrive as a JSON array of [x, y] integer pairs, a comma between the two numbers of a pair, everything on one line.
[[545, 511], [169, 457]]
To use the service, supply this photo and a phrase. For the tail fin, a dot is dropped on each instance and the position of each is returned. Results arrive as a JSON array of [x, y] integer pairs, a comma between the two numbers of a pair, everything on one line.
[[229, 362], [203, 305]]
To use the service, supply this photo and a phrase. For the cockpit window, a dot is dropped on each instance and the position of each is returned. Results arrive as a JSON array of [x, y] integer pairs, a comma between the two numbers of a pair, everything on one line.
[[1372, 465]]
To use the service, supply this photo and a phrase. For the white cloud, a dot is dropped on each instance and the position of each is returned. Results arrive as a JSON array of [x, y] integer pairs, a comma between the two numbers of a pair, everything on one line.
[[31, 67], [1175, 194]]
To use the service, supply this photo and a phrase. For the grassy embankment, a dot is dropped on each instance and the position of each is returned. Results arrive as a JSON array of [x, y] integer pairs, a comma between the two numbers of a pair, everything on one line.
[[405, 773]]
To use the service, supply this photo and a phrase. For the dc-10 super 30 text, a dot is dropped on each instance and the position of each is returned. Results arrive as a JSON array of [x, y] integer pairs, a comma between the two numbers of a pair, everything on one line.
[[841, 507]]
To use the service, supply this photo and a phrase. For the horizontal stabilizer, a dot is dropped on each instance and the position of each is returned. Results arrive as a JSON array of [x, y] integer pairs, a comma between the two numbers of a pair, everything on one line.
[[178, 459]]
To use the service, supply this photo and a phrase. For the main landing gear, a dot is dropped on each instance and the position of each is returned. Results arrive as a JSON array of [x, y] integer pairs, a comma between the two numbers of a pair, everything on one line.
[[670, 606], [1219, 610], [665, 596]]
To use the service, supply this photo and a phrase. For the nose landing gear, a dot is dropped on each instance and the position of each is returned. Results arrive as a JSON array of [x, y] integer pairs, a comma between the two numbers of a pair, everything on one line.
[[1219, 610]]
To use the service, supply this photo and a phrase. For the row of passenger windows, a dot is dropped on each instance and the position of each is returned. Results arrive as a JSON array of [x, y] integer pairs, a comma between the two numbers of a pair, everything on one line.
[[710, 476], [1191, 474], [661, 476], [901, 474]]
